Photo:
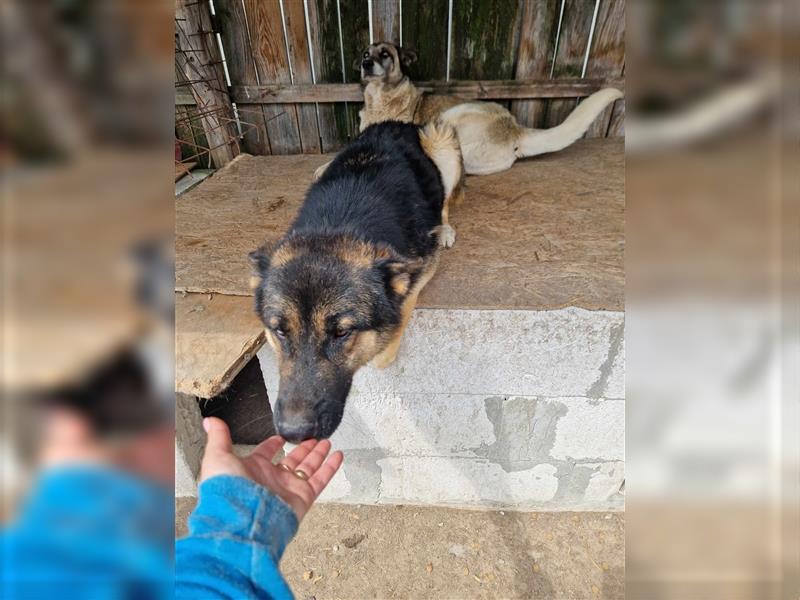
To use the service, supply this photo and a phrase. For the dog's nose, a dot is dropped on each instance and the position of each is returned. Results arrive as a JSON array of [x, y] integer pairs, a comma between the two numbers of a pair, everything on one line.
[[367, 63], [296, 427]]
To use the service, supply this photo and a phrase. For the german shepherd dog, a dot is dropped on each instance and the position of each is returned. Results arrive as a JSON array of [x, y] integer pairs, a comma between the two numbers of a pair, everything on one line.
[[490, 137], [338, 289]]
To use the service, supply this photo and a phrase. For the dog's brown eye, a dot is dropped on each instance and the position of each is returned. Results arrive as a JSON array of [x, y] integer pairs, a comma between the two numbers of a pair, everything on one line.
[[342, 333], [384, 54], [280, 332], [366, 54]]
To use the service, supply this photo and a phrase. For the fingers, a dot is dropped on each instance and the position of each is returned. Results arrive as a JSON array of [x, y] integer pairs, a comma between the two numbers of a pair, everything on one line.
[[314, 459], [219, 436], [269, 447], [325, 473], [296, 456]]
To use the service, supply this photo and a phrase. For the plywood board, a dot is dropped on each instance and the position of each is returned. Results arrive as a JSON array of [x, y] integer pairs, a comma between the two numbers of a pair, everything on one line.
[[545, 234], [214, 338]]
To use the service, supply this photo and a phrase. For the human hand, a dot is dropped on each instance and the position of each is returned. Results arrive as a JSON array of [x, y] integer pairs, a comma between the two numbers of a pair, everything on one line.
[[280, 479]]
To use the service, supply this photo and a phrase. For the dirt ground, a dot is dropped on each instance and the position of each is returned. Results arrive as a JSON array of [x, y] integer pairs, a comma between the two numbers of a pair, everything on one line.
[[352, 552]]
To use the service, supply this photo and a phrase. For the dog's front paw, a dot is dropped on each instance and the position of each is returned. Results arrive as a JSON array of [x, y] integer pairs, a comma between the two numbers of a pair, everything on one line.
[[384, 359], [447, 236], [320, 170]]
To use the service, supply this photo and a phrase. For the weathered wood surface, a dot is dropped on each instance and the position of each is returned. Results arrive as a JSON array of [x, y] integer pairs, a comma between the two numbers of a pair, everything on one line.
[[199, 60], [386, 21], [607, 55], [485, 36], [538, 24], [214, 338], [355, 37], [300, 60], [469, 90], [272, 65], [547, 233], [232, 22], [570, 53], [425, 32]]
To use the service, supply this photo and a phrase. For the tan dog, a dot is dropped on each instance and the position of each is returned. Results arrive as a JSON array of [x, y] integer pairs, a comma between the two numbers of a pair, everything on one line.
[[490, 137]]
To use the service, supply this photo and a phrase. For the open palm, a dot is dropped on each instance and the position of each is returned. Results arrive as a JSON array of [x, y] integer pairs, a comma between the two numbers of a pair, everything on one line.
[[309, 457]]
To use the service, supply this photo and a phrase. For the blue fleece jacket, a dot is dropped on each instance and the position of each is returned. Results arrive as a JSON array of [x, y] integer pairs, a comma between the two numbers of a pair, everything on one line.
[[237, 535]]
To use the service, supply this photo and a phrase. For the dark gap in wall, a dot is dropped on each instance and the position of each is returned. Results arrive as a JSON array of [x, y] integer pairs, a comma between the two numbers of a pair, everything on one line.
[[244, 406]]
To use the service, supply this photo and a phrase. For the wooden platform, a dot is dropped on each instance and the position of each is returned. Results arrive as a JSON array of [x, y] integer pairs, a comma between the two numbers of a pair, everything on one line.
[[549, 233], [546, 234]]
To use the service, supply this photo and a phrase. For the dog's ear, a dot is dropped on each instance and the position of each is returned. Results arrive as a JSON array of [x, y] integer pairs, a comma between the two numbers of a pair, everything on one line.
[[407, 56], [259, 262], [398, 274]]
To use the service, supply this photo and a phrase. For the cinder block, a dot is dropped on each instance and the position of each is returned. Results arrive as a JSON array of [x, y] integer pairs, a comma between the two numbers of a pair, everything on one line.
[[591, 430], [491, 352]]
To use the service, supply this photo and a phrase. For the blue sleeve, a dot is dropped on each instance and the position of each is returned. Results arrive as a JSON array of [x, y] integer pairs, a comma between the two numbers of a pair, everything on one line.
[[237, 535], [90, 532]]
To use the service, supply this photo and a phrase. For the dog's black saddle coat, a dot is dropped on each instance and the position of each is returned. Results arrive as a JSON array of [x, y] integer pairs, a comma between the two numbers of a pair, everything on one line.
[[382, 189]]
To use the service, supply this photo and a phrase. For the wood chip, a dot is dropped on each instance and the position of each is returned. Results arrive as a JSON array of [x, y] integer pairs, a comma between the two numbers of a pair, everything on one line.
[[429, 567], [466, 571], [354, 540], [536, 568], [335, 574], [476, 578], [317, 580], [604, 566], [595, 590], [308, 575]]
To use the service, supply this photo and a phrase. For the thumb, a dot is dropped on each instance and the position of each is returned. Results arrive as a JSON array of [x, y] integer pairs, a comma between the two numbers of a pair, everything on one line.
[[219, 436]]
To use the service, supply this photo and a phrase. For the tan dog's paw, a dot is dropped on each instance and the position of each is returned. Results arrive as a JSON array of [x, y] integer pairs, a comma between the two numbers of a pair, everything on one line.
[[447, 236], [385, 358], [320, 170]]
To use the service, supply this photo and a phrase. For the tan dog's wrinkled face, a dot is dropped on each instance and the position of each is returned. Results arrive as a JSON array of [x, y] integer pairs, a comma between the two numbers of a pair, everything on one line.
[[384, 62]]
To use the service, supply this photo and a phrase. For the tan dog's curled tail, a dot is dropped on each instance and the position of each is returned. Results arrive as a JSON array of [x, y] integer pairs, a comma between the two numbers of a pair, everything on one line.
[[440, 142], [540, 141]]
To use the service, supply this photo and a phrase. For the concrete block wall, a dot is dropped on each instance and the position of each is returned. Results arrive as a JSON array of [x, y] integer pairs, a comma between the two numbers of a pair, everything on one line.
[[488, 408]]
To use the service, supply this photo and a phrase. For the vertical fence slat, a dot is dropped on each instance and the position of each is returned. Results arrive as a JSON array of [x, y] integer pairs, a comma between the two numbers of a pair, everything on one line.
[[242, 71], [570, 54], [607, 55], [536, 44], [197, 55], [355, 37], [386, 20], [301, 67], [425, 31], [324, 27], [485, 36], [272, 64]]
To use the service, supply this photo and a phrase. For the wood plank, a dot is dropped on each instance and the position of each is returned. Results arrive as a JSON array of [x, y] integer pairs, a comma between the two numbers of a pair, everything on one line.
[[232, 22], [616, 127], [386, 21], [607, 55], [425, 31], [569, 57], [324, 26], [471, 90], [272, 65], [294, 14], [547, 233], [197, 55], [212, 241], [536, 42], [214, 338], [355, 38], [485, 37]]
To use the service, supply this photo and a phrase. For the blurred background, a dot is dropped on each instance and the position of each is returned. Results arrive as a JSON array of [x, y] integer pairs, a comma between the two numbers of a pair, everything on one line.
[[86, 163], [711, 299]]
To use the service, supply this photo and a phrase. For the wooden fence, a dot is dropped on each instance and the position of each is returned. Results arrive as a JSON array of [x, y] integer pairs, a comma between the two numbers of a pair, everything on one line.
[[291, 80]]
